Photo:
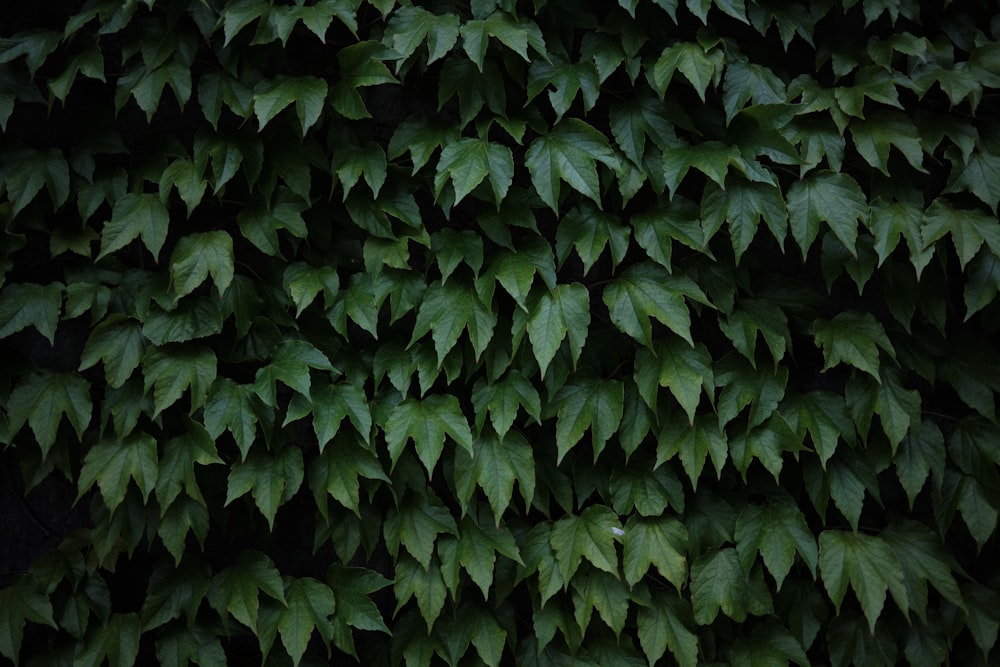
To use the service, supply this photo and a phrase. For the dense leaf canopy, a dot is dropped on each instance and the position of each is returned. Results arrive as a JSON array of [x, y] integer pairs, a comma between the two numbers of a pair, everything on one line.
[[538, 332]]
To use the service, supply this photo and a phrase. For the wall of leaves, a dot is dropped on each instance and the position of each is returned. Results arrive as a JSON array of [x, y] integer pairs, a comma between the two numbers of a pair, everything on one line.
[[537, 332]]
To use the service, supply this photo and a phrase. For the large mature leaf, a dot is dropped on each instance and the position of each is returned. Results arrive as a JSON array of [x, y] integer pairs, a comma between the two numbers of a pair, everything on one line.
[[118, 342], [337, 472], [28, 304], [43, 398], [568, 153], [412, 26], [448, 309], [685, 371], [117, 641], [556, 314], [592, 535], [468, 161], [661, 542], [667, 623], [853, 338], [308, 93], [273, 480], [236, 590], [196, 256], [718, 583], [777, 531], [699, 66], [19, 603], [742, 205], [868, 564], [136, 216], [170, 371], [648, 291], [496, 464], [588, 403], [980, 175], [309, 604], [111, 464], [427, 422], [833, 198]]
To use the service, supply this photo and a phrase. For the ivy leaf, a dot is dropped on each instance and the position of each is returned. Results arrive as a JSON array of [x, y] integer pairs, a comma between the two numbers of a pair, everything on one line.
[[467, 162], [590, 535], [512, 33], [853, 338], [569, 153], [117, 641], [337, 472], [412, 26], [503, 399], [33, 170], [332, 403], [352, 586], [599, 590], [568, 79], [589, 403], [743, 386], [172, 592], [176, 467], [273, 479], [897, 406], [136, 216], [667, 623], [924, 560], [291, 362], [495, 466], [777, 531], [658, 541], [361, 65], [478, 545], [303, 282], [308, 93], [412, 579], [684, 370], [556, 314], [642, 118], [111, 464], [757, 316], [29, 304], [718, 582], [180, 646], [233, 407], [416, 526], [746, 81], [589, 231], [309, 606], [647, 291], [236, 590], [868, 564], [195, 257], [969, 228], [700, 67], [889, 221], [693, 443], [427, 422], [21, 602], [770, 645], [980, 175], [42, 398], [742, 205], [448, 309], [921, 451], [833, 198], [875, 134], [824, 416], [711, 158], [169, 372]]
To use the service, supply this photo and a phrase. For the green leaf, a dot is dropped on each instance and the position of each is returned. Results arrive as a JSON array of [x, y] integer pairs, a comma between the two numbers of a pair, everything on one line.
[[658, 541], [117, 642], [193, 319], [179, 646], [875, 134], [969, 228], [667, 623], [921, 451], [111, 464], [978, 510], [980, 175], [308, 93], [567, 79], [33, 170], [352, 586], [332, 403], [700, 67], [172, 592], [233, 407], [777, 531], [743, 386], [868, 564], [303, 282], [588, 230], [924, 560], [478, 545], [509, 31], [21, 602], [337, 472], [496, 464], [427, 422], [897, 406], [28, 304], [556, 314], [833, 198], [412, 26], [742, 205], [176, 467], [503, 399], [771, 645], [361, 65], [684, 370], [236, 590], [757, 316], [647, 291], [136, 216], [590, 535], [569, 153], [693, 443], [195, 257], [648, 492], [273, 479], [170, 371], [642, 118], [746, 81], [889, 221], [853, 338], [609, 595], [583, 404], [711, 158], [42, 398], [291, 362], [824, 416], [448, 309], [413, 579], [351, 164], [416, 526], [468, 161], [718, 582], [309, 606]]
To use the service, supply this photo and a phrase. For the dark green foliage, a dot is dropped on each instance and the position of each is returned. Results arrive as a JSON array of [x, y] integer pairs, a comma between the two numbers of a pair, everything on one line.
[[536, 332]]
